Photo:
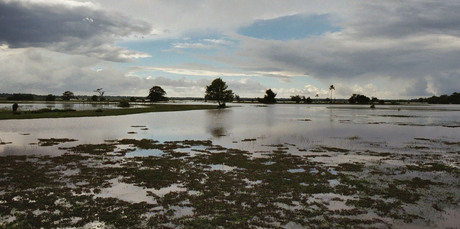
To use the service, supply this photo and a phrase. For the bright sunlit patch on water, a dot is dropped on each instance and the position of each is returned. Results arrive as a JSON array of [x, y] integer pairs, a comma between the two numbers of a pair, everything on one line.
[[220, 167], [145, 153], [126, 192], [296, 170]]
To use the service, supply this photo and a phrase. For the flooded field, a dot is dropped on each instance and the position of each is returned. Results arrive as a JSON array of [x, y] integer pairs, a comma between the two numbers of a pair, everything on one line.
[[65, 105], [276, 166]]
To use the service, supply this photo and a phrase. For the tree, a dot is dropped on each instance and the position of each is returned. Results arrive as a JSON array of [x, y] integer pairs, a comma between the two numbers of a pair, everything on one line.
[[330, 89], [156, 94], [94, 97], [218, 91], [67, 95], [123, 103], [269, 96], [50, 97], [308, 100], [296, 98], [359, 99], [374, 100], [101, 94], [237, 98], [454, 98]]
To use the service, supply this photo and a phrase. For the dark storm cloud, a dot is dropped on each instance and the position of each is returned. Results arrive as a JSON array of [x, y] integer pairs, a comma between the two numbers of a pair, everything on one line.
[[408, 18], [69, 29]]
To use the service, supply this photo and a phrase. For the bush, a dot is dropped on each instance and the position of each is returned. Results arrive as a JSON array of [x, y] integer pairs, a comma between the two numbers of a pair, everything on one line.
[[123, 103], [157, 94], [359, 99], [296, 98], [50, 97], [269, 97]]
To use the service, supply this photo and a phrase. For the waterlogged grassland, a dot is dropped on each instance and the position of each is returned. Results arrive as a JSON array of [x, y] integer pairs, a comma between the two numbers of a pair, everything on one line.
[[197, 184], [68, 113]]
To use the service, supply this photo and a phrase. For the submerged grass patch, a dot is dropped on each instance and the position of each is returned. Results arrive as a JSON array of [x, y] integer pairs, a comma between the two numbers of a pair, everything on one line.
[[217, 187], [54, 141]]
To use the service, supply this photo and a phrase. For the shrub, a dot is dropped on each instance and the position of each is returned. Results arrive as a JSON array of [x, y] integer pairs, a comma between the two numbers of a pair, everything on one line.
[[123, 103]]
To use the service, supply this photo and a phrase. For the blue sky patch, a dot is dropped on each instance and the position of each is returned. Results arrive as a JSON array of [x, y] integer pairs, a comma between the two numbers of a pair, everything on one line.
[[290, 27], [175, 51]]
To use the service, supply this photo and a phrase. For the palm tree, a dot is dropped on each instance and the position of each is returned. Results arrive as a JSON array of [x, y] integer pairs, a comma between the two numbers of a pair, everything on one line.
[[330, 89]]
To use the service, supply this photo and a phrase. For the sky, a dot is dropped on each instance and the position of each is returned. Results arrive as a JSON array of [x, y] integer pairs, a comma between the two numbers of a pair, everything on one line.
[[385, 49]]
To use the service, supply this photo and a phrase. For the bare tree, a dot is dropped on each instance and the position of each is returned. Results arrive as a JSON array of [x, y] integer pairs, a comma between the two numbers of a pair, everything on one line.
[[101, 93]]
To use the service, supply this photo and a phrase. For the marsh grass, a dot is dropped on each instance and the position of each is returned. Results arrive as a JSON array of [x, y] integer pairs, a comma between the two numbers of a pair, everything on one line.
[[278, 190], [53, 141]]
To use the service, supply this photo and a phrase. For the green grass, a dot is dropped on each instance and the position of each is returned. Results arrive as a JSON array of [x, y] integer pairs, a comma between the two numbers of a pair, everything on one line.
[[106, 112]]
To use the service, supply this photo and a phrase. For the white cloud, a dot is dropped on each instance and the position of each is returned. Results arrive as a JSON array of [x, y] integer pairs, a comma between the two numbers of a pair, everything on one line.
[[382, 49], [218, 41], [196, 72], [181, 17], [307, 91], [202, 44], [190, 46], [67, 3], [380, 41]]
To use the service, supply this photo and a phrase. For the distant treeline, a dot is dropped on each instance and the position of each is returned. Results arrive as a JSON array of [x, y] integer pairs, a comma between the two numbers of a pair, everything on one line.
[[20, 97], [443, 99], [354, 99]]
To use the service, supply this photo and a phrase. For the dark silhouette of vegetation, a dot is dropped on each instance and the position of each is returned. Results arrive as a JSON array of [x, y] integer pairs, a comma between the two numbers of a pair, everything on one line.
[[50, 97], [67, 95], [157, 94], [15, 107], [218, 91], [330, 89], [22, 97], [269, 97], [454, 98], [308, 100], [101, 95], [123, 103], [237, 98], [359, 99], [296, 98]]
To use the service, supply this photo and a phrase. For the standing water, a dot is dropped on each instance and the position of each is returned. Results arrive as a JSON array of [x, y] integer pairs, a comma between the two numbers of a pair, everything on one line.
[[280, 165]]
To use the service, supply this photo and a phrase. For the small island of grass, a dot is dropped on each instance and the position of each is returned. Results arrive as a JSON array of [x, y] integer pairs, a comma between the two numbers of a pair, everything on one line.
[[57, 113]]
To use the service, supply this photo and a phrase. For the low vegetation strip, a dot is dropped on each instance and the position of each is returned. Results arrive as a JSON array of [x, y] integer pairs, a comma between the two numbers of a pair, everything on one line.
[[48, 113]]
